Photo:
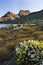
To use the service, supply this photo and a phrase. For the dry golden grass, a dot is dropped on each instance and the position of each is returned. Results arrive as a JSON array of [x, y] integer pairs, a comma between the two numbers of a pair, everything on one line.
[[9, 38]]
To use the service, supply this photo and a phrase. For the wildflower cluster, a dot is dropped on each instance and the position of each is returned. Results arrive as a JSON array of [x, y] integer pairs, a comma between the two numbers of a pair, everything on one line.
[[29, 52]]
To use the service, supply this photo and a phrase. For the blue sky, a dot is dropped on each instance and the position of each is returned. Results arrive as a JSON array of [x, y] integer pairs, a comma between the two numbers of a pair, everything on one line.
[[16, 5]]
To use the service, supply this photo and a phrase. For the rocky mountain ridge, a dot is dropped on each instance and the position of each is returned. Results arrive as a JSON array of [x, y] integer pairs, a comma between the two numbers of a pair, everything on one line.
[[24, 16]]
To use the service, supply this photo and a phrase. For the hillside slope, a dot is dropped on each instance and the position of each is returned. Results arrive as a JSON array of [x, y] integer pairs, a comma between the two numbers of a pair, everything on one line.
[[11, 35]]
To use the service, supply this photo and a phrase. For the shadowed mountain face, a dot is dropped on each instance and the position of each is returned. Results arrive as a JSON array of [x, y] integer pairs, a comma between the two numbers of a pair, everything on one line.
[[24, 16]]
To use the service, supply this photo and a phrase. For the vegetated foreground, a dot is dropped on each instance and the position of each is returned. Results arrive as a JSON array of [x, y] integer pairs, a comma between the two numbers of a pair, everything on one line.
[[11, 35], [29, 53]]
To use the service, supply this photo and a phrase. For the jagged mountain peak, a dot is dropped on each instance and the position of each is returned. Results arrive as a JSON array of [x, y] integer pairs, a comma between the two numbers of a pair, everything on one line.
[[7, 14], [24, 16], [24, 12]]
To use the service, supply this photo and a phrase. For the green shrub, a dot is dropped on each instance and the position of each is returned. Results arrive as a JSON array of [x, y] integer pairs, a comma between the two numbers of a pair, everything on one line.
[[29, 53]]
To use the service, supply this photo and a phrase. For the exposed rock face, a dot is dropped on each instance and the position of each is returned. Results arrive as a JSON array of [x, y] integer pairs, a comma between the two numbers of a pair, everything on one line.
[[9, 16], [24, 12], [24, 16]]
